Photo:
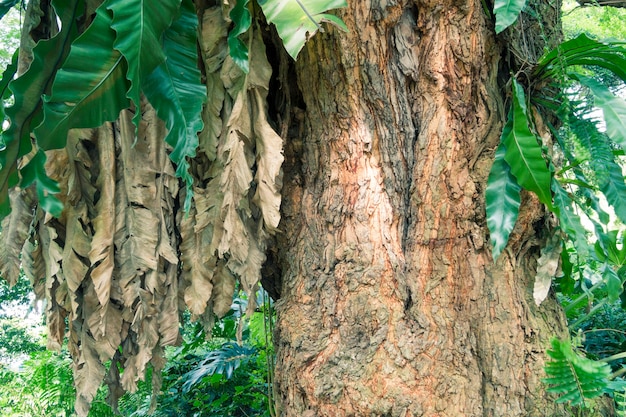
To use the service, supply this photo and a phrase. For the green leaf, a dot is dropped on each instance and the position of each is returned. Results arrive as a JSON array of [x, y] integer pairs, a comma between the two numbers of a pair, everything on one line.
[[298, 20], [503, 201], [583, 50], [506, 12], [89, 89], [568, 220], [242, 19], [574, 377], [5, 92], [223, 361], [139, 25], [613, 109], [613, 283], [35, 173], [175, 92], [6, 5], [27, 93], [523, 152], [608, 174]]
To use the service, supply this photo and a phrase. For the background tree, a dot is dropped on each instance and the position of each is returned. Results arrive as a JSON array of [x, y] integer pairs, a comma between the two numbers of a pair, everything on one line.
[[390, 302]]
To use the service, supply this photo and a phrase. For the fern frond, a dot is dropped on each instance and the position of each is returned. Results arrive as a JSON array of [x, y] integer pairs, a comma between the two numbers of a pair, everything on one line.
[[573, 377], [222, 361]]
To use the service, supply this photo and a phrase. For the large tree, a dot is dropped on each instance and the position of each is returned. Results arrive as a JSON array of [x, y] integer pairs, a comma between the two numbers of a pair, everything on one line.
[[389, 299]]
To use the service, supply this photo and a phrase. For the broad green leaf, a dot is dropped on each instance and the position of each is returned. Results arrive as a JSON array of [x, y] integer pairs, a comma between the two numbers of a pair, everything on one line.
[[89, 89], [613, 283], [35, 173], [298, 20], [27, 94], [139, 25], [242, 19], [6, 5], [613, 109], [175, 92], [503, 201], [523, 152], [506, 12]]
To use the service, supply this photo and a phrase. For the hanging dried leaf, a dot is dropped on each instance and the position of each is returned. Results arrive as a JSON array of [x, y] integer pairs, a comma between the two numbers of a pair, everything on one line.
[[15, 231]]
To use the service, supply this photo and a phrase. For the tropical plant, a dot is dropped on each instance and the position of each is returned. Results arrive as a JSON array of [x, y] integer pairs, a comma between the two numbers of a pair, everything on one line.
[[124, 236], [84, 72]]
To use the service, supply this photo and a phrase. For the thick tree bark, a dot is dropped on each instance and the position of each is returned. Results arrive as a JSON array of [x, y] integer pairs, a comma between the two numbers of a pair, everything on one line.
[[391, 303]]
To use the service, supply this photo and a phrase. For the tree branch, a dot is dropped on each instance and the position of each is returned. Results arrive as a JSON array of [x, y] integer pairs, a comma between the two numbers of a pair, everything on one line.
[[612, 3]]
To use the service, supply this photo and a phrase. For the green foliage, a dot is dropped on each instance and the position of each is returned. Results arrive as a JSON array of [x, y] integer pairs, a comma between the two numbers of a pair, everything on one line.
[[176, 94], [83, 78], [242, 19], [503, 200], [573, 377], [215, 376], [599, 22], [296, 21], [506, 12], [523, 151], [6, 5]]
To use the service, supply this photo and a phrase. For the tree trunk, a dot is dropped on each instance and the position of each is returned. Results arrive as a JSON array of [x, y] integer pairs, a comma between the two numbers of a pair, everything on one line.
[[391, 303]]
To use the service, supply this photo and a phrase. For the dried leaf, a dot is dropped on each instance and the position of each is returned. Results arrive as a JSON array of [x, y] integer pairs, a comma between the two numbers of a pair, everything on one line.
[[547, 266]]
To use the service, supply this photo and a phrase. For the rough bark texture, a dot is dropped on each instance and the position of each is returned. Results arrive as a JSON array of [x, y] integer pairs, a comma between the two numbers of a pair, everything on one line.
[[391, 303]]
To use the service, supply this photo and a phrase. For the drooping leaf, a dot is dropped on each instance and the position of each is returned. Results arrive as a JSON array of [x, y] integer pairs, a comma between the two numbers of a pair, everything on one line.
[[89, 89], [503, 201], [35, 173], [175, 91], [298, 20], [242, 19], [523, 151], [613, 284], [27, 90], [573, 377], [506, 12], [139, 25]]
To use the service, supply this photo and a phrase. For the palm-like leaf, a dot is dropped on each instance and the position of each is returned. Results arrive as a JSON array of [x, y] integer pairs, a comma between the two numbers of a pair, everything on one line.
[[298, 20], [503, 201], [574, 377], [223, 361], [583, 50]]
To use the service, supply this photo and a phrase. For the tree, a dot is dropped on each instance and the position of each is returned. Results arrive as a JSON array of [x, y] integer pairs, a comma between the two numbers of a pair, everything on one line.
[[390, 302]]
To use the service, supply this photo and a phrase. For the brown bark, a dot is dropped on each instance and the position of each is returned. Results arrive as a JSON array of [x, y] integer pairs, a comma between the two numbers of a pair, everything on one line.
[[391, 303]]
